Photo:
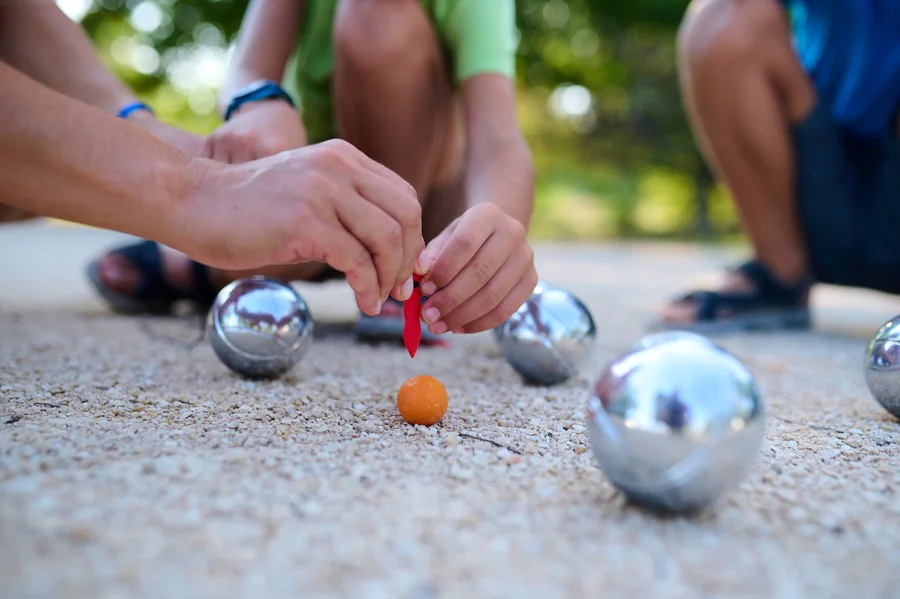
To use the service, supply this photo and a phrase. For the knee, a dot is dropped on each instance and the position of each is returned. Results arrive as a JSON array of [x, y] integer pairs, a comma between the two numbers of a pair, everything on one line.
[[372, 34], [726, 34]]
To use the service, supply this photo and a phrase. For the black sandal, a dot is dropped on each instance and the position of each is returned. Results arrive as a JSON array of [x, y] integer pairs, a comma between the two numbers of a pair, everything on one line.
[[153, 295], [769, 306]]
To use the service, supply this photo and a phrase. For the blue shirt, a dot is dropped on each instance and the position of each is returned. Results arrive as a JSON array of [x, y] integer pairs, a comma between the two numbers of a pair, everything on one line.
[[851, 50]]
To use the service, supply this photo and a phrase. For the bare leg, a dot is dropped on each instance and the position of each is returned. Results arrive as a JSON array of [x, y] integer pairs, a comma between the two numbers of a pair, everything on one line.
[[744, 89], [394, 101], [392, 91]]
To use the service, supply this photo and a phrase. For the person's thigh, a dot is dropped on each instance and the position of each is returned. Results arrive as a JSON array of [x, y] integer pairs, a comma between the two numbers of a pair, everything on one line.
[[445, 200], [392, 86], [832, 209]]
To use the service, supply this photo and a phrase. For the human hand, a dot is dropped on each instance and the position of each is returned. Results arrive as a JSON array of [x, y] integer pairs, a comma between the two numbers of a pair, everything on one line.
[[188, 142], [257, 130], [326, 203], [477, 272]]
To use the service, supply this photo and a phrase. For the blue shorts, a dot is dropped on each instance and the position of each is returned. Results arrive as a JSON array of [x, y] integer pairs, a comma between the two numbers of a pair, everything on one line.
[[849, 201]]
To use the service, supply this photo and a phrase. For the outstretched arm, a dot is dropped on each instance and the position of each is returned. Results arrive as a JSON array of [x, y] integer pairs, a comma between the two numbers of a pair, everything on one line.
[[268, 34], [498, 162], [259, 129], [38, 39], [64, 159], [325, 203], [481, 266]]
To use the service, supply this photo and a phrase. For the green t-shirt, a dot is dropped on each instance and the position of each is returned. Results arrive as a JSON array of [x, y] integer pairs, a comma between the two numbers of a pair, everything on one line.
[[478, 36]]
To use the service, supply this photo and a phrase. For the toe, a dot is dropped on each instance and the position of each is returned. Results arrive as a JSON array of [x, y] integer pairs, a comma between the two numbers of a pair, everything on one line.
[[117, 274]]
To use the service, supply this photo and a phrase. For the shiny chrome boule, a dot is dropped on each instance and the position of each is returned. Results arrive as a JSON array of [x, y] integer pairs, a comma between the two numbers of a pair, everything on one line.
[[676, 422], [259, 327], [549, 338], [883, 366], [538, 288]]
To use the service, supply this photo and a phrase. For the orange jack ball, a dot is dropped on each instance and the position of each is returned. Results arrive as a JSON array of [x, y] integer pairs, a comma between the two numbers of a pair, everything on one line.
[[422, 400]]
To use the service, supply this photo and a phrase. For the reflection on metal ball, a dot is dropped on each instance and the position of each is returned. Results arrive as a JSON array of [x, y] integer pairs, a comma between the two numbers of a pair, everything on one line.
[[549, 338], [883, 366], [676, 422], [538, 288], [259, 327]]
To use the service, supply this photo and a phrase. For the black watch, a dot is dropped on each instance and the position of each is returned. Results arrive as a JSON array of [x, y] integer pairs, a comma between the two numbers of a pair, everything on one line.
[[256, 91]]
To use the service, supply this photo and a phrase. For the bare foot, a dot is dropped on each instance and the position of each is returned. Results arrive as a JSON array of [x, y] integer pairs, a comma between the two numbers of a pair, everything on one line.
[[119, 275]]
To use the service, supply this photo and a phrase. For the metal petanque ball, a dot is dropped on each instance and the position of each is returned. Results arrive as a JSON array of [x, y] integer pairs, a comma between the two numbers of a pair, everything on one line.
[[675, 422], [539, 287], [883, 366], [549, 338], [259, 327]]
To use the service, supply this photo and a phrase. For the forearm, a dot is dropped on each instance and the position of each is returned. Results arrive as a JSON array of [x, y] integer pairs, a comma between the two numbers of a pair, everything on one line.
[[64, 159], [38, 39], [503, 175], [267, 37]]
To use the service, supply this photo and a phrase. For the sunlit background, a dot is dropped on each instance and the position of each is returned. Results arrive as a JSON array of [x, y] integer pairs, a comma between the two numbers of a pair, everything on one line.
[[599, 103]]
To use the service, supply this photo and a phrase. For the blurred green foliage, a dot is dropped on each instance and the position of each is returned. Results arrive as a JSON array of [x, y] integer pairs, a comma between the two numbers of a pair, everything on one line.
[[599, 104]]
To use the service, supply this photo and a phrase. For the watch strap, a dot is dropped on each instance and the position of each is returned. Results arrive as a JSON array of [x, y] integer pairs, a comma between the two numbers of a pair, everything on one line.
[[265, 90]]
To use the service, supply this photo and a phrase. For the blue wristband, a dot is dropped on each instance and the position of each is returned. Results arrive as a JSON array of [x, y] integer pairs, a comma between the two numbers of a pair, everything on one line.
[[255, 92], [134, 106]]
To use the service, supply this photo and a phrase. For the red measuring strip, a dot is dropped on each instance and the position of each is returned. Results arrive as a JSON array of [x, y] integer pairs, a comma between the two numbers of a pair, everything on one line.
[[412, 326]]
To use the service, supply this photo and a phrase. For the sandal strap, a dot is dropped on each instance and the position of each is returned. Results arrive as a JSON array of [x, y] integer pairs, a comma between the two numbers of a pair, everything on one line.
[[711, 303], [145, 256], [766, 292], [771, 289], [204, 292]]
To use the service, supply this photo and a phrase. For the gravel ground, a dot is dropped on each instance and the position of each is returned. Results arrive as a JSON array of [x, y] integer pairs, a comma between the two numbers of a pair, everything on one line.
[[131, 466]]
